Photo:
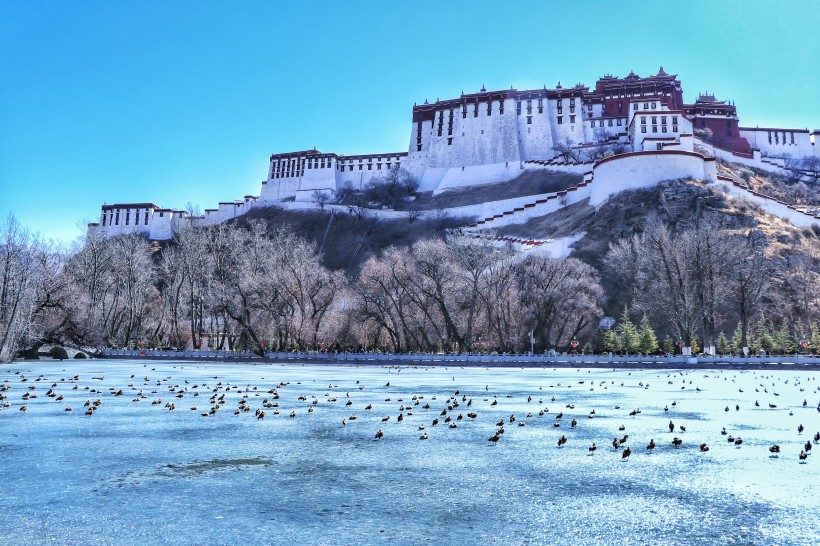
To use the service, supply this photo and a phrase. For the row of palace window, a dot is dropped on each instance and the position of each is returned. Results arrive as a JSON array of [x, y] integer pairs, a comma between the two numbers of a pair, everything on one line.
[[351, 168], [664, 128], [630, 95], [619, 122], [646, 105], [113, 218], [777, 137], [663, 120], [388, 166], [518, 109]]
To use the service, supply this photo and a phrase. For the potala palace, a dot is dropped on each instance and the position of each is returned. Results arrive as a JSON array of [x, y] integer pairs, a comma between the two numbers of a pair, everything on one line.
[[624, 133]]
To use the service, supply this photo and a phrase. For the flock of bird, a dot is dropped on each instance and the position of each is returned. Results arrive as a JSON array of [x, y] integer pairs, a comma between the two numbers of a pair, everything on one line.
[[207, 398]]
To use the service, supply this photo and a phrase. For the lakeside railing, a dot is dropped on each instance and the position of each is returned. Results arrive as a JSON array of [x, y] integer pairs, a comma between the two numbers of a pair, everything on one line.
[[603, 360]]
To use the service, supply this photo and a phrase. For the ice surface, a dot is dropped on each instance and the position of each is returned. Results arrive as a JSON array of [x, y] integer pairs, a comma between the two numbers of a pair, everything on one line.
[[136, 473]]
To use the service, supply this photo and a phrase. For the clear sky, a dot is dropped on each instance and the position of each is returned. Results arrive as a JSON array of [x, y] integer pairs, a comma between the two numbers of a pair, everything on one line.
[[172, 102]]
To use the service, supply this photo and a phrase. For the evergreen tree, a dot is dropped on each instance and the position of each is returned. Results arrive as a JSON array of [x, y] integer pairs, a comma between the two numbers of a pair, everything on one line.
[[783, 341], [737, 339], [648, 340], [669, 346], [763, 338], [695, 345], [629, 340], [801, 337], [723, 346], [815, 338], [598, 341], [610, 341]]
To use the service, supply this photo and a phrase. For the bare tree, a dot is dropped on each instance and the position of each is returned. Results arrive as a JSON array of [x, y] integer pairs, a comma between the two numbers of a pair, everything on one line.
[[566, 150], [657, 270], [562, 298], [16, 291], [751, 278], [320, 198]]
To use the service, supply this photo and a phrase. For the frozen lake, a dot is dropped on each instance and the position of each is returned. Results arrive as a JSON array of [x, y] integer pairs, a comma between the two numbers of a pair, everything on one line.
[[135, 472]]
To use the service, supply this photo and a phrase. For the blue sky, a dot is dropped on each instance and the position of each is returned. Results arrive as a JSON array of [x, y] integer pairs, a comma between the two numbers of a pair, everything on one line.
[[172, 102]]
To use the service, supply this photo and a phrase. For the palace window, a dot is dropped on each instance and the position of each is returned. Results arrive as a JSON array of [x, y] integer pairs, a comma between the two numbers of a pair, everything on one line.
[[572, 119], [464, 112], [501, 107], [103, 219], [792, 135], [654, 128], [518, 108], [619, 122], [560, 120], [674, 128], [571, 108], [369, 166], [634, 105], [643, 128], [646, 106], [540, 106], [572, 103], [609, 122], [654, 120], [560, 110], [529, 120], [449, 141], [475, 110], [137, 217], [643, 120], [653, 105], [127, 218], [489, 108]]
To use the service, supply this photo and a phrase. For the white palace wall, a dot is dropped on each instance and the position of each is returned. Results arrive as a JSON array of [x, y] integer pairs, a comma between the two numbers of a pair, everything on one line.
[[775, 142], [645, 169]]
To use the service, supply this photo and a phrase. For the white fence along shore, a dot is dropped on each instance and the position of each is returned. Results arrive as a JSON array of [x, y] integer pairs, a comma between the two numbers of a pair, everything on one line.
[[540, 360]]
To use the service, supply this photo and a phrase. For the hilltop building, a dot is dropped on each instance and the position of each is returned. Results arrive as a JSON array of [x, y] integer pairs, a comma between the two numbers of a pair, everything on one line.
[[492, 136]]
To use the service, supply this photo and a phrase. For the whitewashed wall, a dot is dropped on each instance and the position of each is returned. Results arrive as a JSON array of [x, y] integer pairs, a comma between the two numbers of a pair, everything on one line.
[[645, 169], [759, 139]]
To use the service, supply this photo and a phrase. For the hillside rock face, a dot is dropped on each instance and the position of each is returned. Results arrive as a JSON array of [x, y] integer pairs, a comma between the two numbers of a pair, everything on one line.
[[679, 200]]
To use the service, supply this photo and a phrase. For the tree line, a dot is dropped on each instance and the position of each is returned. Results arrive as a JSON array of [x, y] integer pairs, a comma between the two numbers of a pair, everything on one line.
[[259, 288]]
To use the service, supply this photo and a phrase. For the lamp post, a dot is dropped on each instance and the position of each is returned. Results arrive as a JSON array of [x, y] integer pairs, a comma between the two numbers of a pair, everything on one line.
[[532, 343]]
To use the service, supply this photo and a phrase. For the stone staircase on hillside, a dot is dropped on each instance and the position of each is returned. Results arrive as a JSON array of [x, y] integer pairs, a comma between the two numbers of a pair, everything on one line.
[[482, 224], [740, 185], [523, 244]]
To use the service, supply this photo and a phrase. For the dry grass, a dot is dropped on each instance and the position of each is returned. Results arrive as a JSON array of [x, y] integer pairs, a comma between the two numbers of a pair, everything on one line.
[[527, 183]]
